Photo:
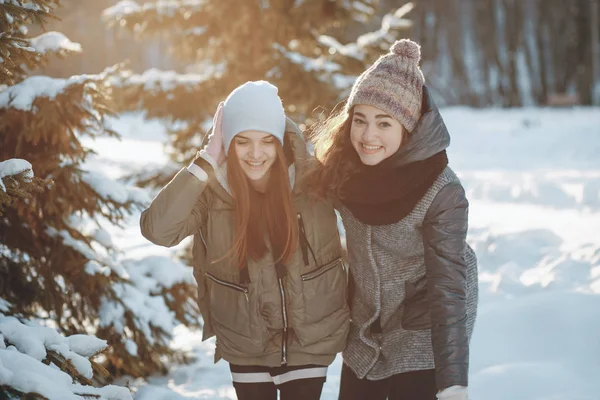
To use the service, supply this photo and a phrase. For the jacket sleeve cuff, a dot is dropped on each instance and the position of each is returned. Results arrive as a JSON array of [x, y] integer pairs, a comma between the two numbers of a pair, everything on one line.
[[202, 166], [197, 171], [203, 155]]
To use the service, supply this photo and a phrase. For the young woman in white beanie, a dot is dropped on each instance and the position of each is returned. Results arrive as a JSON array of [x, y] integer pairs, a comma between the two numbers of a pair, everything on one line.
[[405, 213], [272, 286]]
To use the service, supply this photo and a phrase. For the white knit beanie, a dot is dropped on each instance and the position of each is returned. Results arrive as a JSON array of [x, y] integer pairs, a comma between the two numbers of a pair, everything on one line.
[[253, 106]]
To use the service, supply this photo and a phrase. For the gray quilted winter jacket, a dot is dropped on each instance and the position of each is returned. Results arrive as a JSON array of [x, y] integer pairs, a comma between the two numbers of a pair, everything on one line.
[[415, 279]]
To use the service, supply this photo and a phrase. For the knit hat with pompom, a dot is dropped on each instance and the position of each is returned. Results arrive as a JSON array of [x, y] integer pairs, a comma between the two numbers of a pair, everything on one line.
[[394, 84]]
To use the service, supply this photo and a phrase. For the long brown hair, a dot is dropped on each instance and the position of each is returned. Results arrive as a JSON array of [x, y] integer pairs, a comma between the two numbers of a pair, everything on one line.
[[257, 219], [334, 153]]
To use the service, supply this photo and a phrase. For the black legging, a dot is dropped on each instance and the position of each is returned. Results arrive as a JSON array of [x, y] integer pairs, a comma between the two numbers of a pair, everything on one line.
[[417, 385], [261, 388]]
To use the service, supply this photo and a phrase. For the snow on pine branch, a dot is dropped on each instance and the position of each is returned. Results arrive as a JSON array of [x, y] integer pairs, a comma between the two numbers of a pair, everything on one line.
[[112, 190], [142, 291], [143, 298], [27, 5], [163, 81], [364, 10], [15, 48], [195, 31], [308, 64], [327, 70], [22, 95], [17, 12], [56, 42], [35, 341], [380, 38], [168, 8], [15, 166], [122, 9], [24, 347]]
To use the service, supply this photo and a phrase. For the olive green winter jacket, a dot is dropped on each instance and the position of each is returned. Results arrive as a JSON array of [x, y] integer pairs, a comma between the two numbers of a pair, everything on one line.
[[296, 314]]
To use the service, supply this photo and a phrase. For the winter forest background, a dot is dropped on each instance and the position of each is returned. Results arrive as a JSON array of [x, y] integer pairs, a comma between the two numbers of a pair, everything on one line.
[[101, 102]]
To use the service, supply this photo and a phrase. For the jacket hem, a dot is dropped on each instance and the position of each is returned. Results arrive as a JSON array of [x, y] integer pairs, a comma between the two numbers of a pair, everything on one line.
[[274, 360]]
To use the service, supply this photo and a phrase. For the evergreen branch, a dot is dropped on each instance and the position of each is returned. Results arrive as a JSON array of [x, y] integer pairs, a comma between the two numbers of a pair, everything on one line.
[[15, 12], [100, 372], [66, 366], [19, 186], [10, 393], [16, 57], [156, 17], [88, 395], [53, 43], [166, 94]]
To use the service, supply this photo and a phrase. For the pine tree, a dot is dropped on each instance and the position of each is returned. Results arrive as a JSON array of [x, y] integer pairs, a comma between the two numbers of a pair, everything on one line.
[[228, 42], [17, 182], [57, 263], [360, 52]]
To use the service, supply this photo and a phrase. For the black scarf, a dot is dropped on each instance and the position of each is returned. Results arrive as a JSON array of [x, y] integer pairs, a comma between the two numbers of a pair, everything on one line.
[[383, 194]]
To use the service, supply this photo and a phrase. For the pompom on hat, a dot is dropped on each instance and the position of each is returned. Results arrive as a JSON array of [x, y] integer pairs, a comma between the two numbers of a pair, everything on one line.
[[394, 84]]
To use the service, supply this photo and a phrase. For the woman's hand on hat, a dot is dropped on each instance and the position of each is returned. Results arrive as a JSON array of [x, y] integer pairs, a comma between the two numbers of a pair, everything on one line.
[[214, 147]]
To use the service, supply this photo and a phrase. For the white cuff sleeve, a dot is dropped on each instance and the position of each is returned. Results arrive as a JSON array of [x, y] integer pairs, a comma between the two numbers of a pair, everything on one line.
[[203, 154], [197, 172]]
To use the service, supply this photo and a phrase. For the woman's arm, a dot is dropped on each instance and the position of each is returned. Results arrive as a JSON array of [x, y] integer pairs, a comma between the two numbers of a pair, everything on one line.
[[444, 239], [178, 210]]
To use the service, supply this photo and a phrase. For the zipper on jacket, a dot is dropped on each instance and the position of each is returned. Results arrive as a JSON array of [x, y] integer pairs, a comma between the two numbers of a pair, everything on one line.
[[202, 239], [321, 270], [303, 241], [229, 285], [281, 272]]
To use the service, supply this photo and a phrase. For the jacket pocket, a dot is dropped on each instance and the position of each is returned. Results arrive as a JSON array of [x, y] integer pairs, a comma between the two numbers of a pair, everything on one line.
[[229, 304], [416, 315], [325, 290]]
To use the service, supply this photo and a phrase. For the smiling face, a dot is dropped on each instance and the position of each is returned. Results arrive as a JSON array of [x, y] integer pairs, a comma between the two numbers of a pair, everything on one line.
[[256, 153], [374, 134]]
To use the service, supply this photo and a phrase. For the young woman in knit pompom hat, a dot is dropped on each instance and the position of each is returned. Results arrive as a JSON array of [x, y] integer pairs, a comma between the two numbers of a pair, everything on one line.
[[413, 276], [272, 286]]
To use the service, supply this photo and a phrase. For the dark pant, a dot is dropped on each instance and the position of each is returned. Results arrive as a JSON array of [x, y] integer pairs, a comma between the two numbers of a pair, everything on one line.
[[304, 382], [417, 385], [302, 389]]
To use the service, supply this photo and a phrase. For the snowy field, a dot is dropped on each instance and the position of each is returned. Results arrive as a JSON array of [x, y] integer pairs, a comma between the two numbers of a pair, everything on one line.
[[533, 180]]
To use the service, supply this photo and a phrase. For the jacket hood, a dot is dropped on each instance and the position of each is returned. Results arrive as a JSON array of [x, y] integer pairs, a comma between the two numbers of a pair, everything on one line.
[[429, 137]]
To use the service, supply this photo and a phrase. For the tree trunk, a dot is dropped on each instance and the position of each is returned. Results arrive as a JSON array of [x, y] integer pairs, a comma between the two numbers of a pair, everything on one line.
[[595, 42], [541, 29], [453, 27], [584, 75], [513, 24]]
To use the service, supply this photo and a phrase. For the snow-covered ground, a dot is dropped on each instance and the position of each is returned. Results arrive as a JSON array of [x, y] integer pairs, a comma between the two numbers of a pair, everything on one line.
[[533, 180]]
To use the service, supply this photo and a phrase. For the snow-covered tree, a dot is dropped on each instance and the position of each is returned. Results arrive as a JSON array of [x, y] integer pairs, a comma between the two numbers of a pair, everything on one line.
[[36, 362], [228, 42], [17, 182], [58, 263], [354, 57]]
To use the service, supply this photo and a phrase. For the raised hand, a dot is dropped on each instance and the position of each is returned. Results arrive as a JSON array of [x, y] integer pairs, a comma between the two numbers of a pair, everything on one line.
[[214, 147]]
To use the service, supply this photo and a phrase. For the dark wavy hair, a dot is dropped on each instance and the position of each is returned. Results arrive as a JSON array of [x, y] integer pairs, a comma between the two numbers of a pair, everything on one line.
[[336, 158]]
